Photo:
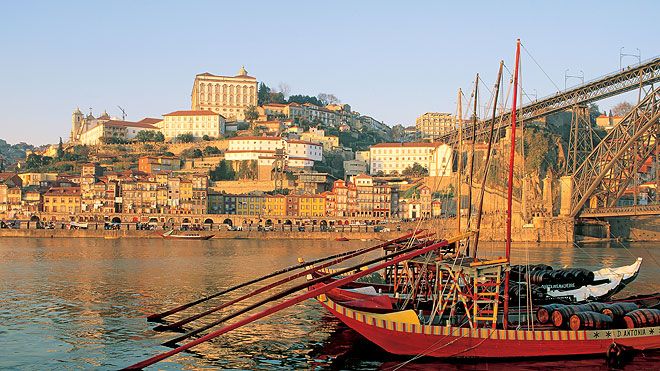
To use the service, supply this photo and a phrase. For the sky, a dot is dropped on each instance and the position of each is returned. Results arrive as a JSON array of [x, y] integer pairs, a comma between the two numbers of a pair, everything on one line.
[[392, 60]]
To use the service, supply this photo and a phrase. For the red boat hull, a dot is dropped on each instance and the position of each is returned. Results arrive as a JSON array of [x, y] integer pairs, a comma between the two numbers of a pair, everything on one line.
[[449, 342]]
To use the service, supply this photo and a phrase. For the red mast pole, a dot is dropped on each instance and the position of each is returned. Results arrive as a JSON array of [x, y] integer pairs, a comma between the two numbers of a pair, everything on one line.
[[509, 195]]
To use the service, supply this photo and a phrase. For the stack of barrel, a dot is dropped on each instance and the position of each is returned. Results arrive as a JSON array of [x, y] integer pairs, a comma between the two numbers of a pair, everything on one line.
[[544, 274], [597, 316]]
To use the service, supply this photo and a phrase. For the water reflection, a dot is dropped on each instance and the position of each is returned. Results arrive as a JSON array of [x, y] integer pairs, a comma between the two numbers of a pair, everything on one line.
[[81, 303]]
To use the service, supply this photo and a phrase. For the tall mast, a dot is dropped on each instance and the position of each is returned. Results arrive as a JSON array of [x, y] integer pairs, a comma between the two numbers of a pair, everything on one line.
[[509, 195], [459, 160], [474, 137], [487, 162]]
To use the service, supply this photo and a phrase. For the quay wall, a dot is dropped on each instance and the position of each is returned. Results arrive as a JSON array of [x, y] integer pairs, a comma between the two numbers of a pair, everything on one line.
[[544, 230]]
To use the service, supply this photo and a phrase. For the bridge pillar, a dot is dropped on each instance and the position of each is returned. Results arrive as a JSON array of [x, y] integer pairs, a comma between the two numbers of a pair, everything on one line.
[[566, 194]]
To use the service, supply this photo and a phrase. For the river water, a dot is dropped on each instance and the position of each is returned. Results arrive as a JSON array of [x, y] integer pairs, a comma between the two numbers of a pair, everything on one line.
[[81, 304]]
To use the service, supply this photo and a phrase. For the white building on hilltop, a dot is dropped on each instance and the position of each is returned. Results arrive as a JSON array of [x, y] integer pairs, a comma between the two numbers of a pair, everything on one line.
[[198, 123], [229, 96], [297, 154], [396, 157]]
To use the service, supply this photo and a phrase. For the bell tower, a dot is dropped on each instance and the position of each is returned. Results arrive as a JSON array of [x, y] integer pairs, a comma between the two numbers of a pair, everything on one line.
[[76, 123]]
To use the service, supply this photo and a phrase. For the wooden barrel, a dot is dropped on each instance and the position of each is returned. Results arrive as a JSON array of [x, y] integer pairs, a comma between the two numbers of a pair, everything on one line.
[[560, 316], [616, 311], [537, 277], [589, 320], [596, 306], [642, 318], [543, 314]]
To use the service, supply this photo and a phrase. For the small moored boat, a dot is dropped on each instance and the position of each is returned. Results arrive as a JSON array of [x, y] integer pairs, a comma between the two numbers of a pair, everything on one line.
[[188, 236]]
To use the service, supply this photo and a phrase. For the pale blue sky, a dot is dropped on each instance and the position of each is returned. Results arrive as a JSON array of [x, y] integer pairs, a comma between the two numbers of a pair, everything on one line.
[[391, 60]]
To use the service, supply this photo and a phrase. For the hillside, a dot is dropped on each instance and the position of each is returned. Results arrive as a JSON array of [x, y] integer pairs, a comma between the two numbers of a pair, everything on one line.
[[11, 153]]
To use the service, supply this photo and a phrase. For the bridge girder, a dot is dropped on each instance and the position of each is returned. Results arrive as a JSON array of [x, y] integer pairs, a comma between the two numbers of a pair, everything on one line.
[[609, 85], [608, 170]]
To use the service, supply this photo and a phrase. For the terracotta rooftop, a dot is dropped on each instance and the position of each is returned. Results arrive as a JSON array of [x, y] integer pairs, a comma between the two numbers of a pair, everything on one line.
[[206, 74], [253, 137], [128, 124], [410, 144], [192, 113], [67, 191], [296, 141], [150, 120]]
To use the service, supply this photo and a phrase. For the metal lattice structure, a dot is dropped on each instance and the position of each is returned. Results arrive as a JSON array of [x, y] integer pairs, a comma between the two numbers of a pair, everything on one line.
[[610, 85], [581, 141], [610, 168]]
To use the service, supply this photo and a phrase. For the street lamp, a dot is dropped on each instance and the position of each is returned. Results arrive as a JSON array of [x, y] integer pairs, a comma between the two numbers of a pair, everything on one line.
[[622, 54], [567, 76]]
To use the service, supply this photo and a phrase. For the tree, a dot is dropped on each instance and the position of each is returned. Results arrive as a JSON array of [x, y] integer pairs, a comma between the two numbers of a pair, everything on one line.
[[211, 150], [416, 171], [112, 140], [622, 109], [144, 136], [302, 99], [206, 138], [60, 149], [326, 99], [398, 133], [185, 138], [251, 113], [192, 153], [284, 89], [263, 94], [223, 171], [34, 161]]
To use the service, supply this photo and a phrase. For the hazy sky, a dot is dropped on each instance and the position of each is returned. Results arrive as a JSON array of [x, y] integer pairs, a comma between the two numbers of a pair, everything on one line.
[[391, 60]]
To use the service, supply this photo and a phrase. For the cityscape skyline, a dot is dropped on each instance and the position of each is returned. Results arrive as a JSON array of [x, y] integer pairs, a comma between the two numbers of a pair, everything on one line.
[[144, 57]]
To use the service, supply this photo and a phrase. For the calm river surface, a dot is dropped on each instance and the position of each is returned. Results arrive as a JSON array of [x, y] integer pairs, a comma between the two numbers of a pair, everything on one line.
[[81, 304]]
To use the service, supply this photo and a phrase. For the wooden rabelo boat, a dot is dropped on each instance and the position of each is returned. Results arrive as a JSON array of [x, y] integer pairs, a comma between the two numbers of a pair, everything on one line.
[[467, 307]]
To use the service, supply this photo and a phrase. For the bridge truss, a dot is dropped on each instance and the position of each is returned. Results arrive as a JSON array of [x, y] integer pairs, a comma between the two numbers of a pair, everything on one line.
[[615, 162], [618, 82]]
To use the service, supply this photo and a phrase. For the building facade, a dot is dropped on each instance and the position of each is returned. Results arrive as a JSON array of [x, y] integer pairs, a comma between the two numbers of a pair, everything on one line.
[[394, 158], [435, 124], [228, 96], [198, 123], [113, 129]]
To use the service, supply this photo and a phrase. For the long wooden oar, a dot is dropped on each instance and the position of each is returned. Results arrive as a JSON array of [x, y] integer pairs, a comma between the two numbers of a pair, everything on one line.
[[158, 316], [286, 292], [402, 255], [184, 321]]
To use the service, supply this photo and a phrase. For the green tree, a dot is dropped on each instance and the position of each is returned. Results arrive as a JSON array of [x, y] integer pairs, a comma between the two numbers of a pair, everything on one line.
[[211, 150], [60, 149], [35, 161], [224, 171], [263, 94], [302, 99], [416, 170], [144, 136], [185, 138], [251, 113], [206, 138], [192, 153], [398, 133]]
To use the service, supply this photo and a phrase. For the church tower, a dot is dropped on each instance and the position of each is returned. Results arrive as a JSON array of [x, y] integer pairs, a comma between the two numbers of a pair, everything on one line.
[[76, 123]]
